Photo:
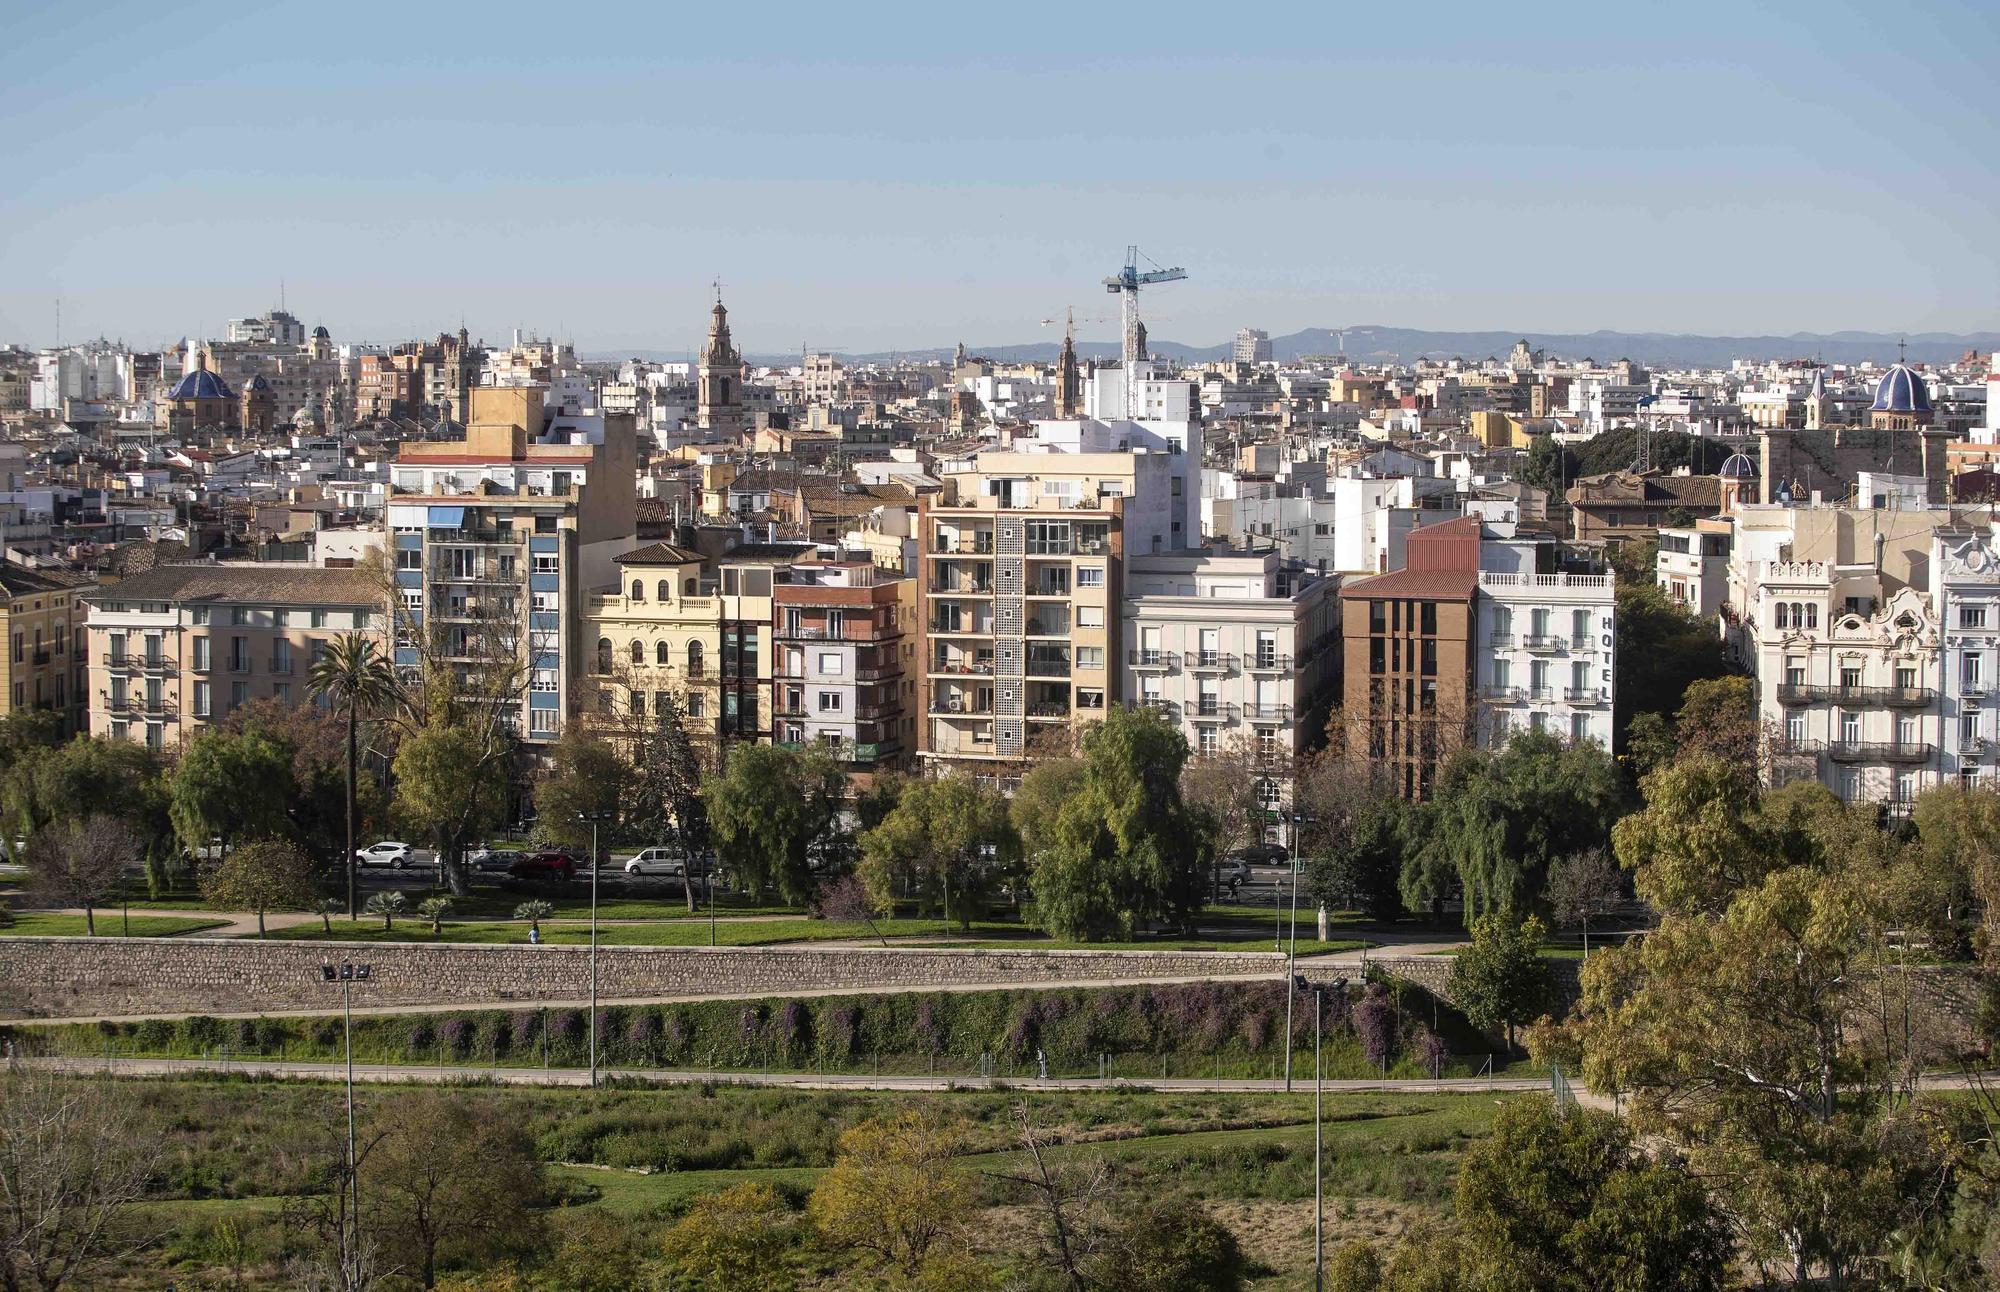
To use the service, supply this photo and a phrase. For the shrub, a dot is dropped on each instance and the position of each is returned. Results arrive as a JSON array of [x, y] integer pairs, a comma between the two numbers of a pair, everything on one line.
[[422, 1038], [1255, 1029], [155, 1034], [203, 1032], [642, 1036], [526, 1030], [248, 1034], [840, 1026], [679, 1032], [928, 1028], [456, 1034], [1375, 1023], [565, 1025], [795, 1027], [325, 1033], [1429, 1050]]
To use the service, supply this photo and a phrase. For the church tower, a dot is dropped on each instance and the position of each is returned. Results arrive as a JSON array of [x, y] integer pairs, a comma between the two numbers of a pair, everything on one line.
[[1069, 378], [1819, 405], [720, 393]]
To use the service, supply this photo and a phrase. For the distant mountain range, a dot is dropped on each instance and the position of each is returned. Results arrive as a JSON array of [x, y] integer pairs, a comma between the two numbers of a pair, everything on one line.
[[1372, 344]]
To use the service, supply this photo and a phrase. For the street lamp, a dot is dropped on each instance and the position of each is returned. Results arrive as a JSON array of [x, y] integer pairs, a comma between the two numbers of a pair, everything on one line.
[[1299, 821], [1319, 1175], [593, 818], [347, 974]]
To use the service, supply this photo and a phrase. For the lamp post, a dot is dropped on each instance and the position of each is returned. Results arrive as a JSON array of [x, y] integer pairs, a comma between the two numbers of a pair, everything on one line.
[[1299, 821], [345, 974], [593, 818], [1319, 1126]]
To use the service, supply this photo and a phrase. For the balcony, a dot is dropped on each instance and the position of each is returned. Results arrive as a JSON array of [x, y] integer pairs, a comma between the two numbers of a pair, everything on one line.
[[1048, 668], [1501, 694], [820, 633], [1210, 659], [1048, 628], [1048, 712], [118, 660], [1262, 663], [1048, 588], [1582, 642], [1267, 712], [1874, 751], [155, 664], [1540, 694], [947, 707], [1545, 641], [1152, 658], [239, 666], [1211, 710], [41, 657], [281, 667], [1583, 695], [1895, 697], [961, 627], [961, 588], [1502, 641], [969, 545], [975, 668]]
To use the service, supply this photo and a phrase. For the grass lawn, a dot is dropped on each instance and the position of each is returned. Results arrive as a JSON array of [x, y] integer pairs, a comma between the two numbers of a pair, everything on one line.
[[110, 924]]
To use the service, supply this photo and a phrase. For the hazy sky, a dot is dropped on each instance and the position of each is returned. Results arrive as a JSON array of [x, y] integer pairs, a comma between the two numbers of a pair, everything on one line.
[[870, 176]]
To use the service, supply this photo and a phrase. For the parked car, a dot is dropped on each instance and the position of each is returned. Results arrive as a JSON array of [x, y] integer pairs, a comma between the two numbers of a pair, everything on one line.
[[657, 861], [387, 853], [552, 863], [490, 861]]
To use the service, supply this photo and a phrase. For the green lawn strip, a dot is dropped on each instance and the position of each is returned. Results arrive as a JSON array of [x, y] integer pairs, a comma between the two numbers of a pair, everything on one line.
[[110, 924]]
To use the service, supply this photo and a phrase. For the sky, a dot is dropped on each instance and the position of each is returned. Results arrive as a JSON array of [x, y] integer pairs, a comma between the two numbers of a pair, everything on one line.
[[872, 177]]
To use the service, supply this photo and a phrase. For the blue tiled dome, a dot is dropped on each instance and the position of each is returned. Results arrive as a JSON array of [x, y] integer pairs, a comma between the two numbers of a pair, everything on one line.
[[200, 384], [1901, 390], [1738, 467]]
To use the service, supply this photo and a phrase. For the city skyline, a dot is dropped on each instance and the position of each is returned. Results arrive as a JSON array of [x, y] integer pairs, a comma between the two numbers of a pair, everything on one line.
[[870, 186]]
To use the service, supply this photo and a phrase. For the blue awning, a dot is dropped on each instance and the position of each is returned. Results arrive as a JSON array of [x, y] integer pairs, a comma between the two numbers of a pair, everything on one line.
[[447, 518]]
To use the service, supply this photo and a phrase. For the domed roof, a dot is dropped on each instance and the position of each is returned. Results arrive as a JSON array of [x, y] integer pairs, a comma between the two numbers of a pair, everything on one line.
[[1901, 390], [1738, 467], [200, 384], [322, 333], [306, 418]]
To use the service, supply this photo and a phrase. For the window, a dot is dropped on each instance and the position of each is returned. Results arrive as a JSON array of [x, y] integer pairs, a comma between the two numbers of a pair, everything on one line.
[[664, 591], [832, 663], [1909, 730], [542, 722], [1795, 727], [543, 680], [637, 654], [694, 659], [1795, 671], [1089, 576], [1850, 677], [603, 655], [830, 702], [638, 590], [1906, 787], [1972, 616], [638, 704], [1850, 728], [663, 702], [409, 558], [545, 563], [1906, 679], [1971, 672], [1579, 627], [1086, 699], [198, 615], [1090, 616], [1579, 728], [319, 618], [1209, 739], [1812, 616], [239, 615], [201, 654], [282, 692], [1090, 657], [694, 704], [239, 694]]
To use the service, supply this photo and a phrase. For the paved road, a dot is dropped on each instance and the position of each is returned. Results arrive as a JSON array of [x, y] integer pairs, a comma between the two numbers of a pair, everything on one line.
[[375, 1073]]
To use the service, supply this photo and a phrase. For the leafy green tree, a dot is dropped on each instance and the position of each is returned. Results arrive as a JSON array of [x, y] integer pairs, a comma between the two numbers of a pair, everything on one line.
[[1662, 651], [352, 676], [388, 905], [1037, 803], [534, 913], [735, 1240], [262, 875], [950, 836], [1565, 1201], [1167, 1245], [1550, 466], [230, 786], [773, 811], [585, 778], [1125, 848], [448, 787], [1502, 818], [1499, 981], [72, 780], [894, 1191], [1718, 718], [664, 802], [1359, 832], [1697, 841], [81, 862]]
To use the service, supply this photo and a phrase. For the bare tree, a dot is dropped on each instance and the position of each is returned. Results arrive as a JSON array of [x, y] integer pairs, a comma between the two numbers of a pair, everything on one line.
[[344, 1258], [73, 1161], [1071, 1198], [81, 863], [1584, 886], [1227, 786], [447, 1178]]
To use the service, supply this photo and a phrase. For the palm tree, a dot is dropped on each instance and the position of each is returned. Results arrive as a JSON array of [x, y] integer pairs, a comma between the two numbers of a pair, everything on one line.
[[352, 674]]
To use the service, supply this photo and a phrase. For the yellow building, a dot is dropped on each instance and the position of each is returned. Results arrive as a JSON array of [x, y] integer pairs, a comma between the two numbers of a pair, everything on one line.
[[657, 632], [1499, 431], [44, 660]]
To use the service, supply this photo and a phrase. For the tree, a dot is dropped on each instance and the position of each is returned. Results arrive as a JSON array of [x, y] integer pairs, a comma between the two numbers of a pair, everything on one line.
[[772, 811], [737, 1240], [664, 802], [1565, 1201], [1550, 466], [1718, 718], [1167, 1245], [1223, 787], [229, 786], [449, 1181], [264, 875], [534, 913], [89, 775], [1662, 650], [74, 1162], [448, 787], [1502, 818], [894, 1191], [1584, 886], [950, 837], [353, 677], [1499, 981], [846, 900], [434, 909], [1035, 806], [81, 863], [388, 905], [1359, 834], [326, 908], [1958, 833], [1125, 848], [585, 778], [1697, 842]]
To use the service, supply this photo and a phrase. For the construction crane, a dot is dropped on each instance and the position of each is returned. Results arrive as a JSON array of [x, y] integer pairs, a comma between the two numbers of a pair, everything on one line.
[[1127, 283]]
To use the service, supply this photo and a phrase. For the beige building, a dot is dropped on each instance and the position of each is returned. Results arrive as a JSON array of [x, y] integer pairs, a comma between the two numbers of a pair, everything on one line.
[[44, 666], [179, 647], [657, 632]]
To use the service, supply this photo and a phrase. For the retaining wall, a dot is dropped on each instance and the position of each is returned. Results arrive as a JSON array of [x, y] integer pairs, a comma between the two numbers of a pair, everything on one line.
[[71, 977]]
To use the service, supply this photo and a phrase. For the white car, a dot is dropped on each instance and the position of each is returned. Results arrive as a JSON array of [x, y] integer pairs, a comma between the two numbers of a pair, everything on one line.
[[657, 861], [386, 853]]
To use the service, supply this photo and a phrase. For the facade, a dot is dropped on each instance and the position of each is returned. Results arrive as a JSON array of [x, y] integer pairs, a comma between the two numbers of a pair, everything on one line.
[[720, 379], [840, 640], [1693, 566], [1409, 671], [1621, 506], [179, 647], [1239, 649], [44, 666], [1253, 345], [1543, 645], [496, 537], [656, 632]]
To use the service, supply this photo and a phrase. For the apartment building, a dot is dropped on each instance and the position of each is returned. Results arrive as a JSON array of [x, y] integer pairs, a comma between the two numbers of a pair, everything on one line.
[[1965, 586], [497, 536], [179, 647], [747, 578], [1238, 649], [44, 665], [1693, 565], [1543, 645], [842, 637], [657, 633]]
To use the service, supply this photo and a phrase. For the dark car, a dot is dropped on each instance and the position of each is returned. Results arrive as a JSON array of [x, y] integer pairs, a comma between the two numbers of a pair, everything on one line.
[[549, 864], [1263, 854]]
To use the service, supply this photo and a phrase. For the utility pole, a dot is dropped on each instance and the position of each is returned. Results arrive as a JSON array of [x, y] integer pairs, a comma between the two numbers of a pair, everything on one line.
[[1319, 1173], [593, 818], [345, 974], [1299, 821]]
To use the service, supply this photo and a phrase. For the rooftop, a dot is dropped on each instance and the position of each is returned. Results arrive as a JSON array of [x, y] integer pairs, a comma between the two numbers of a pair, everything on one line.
[[292, 585]]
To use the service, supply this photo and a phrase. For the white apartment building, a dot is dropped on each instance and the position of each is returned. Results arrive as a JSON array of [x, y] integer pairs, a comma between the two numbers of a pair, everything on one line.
[[1237, 648], [1965, 585], [1544, 648], [1693, 567]]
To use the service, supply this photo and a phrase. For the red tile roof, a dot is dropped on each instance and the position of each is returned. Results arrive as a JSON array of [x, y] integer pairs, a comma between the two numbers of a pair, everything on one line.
[[1426, 585]]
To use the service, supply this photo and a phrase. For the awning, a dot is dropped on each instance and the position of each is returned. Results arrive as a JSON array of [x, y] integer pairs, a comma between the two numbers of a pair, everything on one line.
[[447, 518]]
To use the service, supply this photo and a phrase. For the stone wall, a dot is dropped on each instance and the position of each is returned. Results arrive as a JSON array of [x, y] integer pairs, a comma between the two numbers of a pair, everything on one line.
[[72, 977]]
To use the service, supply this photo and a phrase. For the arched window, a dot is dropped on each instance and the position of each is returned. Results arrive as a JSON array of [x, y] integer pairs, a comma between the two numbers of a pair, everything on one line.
[[638, 589], [666, 590], [694, 659], [663, 655], [688, 587], [603, 654], [1812, 615], [1784, 615], [638, 654]]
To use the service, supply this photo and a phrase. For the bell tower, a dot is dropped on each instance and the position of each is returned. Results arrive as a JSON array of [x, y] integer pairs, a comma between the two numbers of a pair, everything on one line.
[[720, 375]]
